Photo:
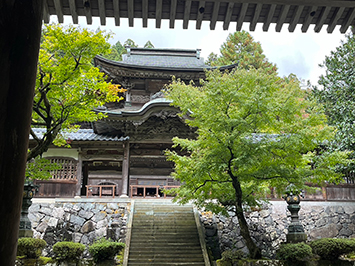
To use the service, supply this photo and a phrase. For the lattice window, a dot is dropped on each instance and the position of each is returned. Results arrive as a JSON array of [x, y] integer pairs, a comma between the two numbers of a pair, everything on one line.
[[69, 168]]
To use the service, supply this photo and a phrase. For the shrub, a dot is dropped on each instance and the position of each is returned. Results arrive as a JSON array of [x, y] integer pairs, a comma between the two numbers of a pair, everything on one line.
[[105, 249], [68, 251], [232, 255], [294, 252], [30, 247], [332, 248]]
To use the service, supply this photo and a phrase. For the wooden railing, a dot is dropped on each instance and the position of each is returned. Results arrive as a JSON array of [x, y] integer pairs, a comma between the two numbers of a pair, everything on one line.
[[156, 187], [90, 187]]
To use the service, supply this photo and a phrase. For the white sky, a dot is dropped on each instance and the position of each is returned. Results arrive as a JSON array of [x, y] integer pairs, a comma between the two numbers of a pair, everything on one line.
[[297, 52]]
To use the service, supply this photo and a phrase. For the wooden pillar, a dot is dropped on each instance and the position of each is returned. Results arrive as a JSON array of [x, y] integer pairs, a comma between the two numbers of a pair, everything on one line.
[[125, 169], [79, 173], [20, 27]]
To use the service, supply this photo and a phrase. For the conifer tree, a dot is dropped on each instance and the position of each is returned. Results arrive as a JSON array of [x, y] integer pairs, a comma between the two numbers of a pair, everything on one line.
[[240, 48]]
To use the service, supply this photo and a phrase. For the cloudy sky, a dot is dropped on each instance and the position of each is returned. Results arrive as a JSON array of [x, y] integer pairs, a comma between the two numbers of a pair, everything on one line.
[[297, 52]]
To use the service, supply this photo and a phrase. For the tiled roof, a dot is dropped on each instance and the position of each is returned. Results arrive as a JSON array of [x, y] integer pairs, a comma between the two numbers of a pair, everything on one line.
[[82, 135], [164, 58]]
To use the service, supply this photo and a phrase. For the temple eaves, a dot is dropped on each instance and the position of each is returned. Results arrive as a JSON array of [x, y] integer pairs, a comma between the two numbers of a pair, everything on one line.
[[329, 13]]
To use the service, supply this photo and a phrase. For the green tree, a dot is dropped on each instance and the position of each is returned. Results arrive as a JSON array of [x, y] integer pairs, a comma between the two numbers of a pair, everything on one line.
[[118, 49], [336, 91], [241, 48], [68, 86], [149, 44], [131, 43], [116, 52], [254, 131]]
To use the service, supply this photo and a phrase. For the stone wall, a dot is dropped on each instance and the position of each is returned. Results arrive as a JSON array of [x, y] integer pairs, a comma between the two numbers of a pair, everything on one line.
[[78, 220], [268, 225], [85, 220]]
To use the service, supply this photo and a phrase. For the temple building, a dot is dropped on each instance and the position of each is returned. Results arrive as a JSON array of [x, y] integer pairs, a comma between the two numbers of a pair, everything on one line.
[[123, 154]]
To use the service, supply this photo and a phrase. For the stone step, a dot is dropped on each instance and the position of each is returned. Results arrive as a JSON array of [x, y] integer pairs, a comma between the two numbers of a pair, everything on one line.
[[164, 234], [181, 253], [154, 220], [169, 263], [164, 208], [177, 249], [157, 259], [150, 220], [165, 242], [163, 214]]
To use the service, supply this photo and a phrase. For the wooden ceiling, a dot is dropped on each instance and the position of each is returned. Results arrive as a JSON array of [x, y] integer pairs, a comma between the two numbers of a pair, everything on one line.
[[275, 13]]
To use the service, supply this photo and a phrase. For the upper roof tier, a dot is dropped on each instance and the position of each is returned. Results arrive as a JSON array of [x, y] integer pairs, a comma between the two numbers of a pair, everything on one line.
[[144, 72], [157, 63], [164, 58]]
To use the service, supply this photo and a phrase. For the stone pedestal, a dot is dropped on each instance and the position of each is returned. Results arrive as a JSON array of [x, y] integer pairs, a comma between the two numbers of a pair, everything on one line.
[[25, 223], [296, 232]]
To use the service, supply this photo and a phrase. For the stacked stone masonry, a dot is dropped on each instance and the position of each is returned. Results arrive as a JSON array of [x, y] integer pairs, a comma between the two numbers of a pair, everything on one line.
[[80, 222], [86, 222], [268, 225]]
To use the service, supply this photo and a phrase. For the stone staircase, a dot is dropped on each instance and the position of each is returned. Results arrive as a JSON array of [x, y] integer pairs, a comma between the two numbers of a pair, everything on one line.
[[164, 233]]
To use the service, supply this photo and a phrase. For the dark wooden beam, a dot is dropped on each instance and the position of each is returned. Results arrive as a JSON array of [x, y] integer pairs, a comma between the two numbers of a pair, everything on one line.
[[158, 12], [173, 5], [241, 16], [46, 16], [102, 12], [87, 9], [331, 3], [295, 18], [73, 12], [349, 20], [20, 26], [59, 11], [308, 18], [130, 12], [200, 13], [336, 16], [323, 16], [228, 16], [269, 17], [256, 16], [145, 13], [116, 11], [214, 15], [187, 10], [282, 17]]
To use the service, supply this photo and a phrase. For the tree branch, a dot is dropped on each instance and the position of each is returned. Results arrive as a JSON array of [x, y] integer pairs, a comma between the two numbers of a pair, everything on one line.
[[210, 181]]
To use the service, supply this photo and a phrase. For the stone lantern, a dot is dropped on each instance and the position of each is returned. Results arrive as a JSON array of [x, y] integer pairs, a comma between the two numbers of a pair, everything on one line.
[[296, 232], [25, 223]]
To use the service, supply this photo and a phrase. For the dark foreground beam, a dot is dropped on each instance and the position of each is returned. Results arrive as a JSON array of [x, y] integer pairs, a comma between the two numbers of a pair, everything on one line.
[[20, 27]]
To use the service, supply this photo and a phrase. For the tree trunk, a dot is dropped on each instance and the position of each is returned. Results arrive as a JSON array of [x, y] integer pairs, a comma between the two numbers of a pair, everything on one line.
[[20, 27], [254, 251]]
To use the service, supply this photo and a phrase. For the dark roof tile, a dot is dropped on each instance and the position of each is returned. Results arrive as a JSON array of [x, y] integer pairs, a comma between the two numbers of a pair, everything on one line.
[[82, 135]]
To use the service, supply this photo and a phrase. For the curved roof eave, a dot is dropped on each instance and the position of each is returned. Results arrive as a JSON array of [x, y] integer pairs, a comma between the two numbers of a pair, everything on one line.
[[82, 135], [159, 102], [99, 59]]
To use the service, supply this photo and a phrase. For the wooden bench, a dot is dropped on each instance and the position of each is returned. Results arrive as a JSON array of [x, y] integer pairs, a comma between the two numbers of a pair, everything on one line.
[[89, 189]]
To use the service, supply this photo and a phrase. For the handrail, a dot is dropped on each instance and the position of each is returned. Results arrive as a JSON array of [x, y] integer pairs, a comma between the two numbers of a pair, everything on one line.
[[128, 235], [100, 189]]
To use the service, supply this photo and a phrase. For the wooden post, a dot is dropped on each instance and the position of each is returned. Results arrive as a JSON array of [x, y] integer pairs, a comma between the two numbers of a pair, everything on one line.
[[125, 169], [20, 27], [79, 172]]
